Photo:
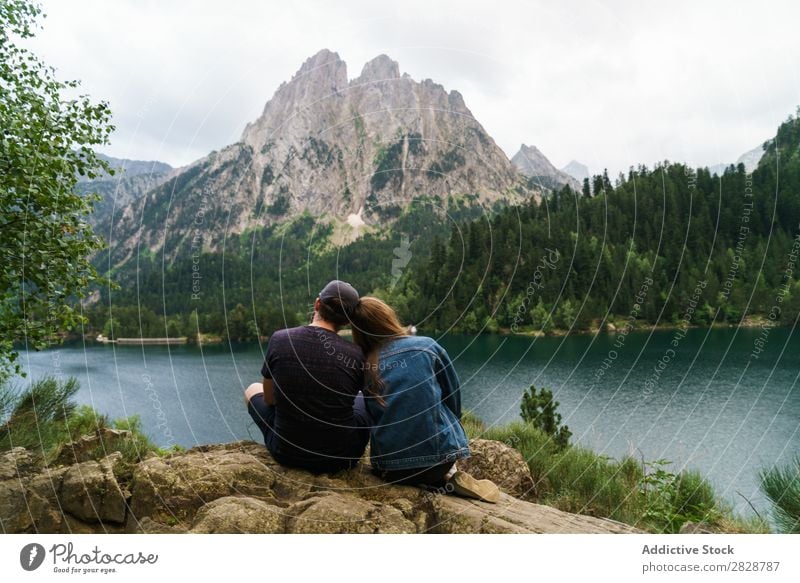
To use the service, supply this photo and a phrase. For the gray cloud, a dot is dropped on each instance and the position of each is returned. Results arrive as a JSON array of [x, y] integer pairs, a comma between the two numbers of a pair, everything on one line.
[[608, 83]]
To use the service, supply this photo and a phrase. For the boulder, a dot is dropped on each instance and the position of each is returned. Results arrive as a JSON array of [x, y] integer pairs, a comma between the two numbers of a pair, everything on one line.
[[31, 504], [17, 463], [92, 447], [149, 526], [330, 512], [14, 512], [504, 465], [173, 488], [236, 515], [90, 492], [82, 498]]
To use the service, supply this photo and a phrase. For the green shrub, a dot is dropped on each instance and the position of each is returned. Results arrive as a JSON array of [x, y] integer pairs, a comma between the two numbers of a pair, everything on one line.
[[36, 418], [671, 500], [539, 409], [85, 421], [782, 487], [695, 498], [136, 448]]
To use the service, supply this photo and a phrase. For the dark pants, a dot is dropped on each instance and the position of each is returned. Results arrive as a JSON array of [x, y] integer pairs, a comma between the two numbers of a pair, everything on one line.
[[264, 417], [433, 477]]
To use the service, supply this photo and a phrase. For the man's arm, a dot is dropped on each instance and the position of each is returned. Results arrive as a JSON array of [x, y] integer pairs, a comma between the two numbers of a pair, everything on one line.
[[266, 375], [269, 391]]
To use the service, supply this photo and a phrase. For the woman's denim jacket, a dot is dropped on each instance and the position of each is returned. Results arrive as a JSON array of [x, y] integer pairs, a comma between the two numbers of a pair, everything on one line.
[[419, 424]]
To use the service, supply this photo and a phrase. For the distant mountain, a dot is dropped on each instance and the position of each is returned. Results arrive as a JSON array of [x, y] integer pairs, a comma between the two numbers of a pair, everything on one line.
[[577, 170], [126, 168], [750, 159], [535, 165], [132, 180], [354, 153]]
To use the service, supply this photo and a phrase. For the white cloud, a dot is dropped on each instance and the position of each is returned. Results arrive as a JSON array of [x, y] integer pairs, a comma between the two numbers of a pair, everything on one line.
[[608, 83]]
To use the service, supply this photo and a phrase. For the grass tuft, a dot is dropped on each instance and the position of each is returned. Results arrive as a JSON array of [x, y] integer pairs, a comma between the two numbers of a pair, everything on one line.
[[782, 487]]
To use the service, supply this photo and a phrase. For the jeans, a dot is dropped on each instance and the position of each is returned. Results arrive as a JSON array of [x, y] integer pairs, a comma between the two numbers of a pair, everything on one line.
[[264, 417]]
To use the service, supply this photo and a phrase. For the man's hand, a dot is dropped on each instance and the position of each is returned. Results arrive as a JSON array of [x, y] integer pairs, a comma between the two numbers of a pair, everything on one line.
[[269, 391]]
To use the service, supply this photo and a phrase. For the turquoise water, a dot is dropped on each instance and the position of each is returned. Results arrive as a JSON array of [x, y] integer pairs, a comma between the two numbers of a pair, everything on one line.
[[725, 401]]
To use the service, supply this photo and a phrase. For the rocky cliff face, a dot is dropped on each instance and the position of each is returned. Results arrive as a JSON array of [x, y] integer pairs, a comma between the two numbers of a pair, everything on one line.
[[239, 488], [353, 151], [535, 165]]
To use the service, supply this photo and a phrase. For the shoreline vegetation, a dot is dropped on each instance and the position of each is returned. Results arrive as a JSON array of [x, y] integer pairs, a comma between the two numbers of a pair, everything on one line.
[[569, 477], [611, 327], [200, 339], [138, 341], [618, 326]]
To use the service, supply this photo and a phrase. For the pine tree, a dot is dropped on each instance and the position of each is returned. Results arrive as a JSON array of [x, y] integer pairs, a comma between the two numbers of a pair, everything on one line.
[[540, 410], [587, 189]]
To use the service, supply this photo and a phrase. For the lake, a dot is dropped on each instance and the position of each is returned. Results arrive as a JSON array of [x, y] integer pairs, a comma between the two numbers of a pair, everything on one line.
[[723, 401]]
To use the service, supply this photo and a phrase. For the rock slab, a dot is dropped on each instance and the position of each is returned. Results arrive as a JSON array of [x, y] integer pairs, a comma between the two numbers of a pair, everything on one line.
[[239, 488]]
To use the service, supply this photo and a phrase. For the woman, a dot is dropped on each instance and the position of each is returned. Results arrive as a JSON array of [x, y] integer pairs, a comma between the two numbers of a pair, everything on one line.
[[413, 396]]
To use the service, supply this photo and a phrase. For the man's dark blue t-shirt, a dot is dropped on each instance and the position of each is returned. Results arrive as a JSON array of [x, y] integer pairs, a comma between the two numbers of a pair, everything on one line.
[[316, 375]]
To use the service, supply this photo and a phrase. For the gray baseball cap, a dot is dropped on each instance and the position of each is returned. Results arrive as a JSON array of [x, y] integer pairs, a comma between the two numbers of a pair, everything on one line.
[[346, 293]]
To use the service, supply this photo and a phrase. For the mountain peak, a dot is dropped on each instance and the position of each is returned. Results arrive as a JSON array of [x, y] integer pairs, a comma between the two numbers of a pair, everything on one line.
[[319, 77], [533, 164], [321, 58], [524, 148], [379, 69], [324, 69]]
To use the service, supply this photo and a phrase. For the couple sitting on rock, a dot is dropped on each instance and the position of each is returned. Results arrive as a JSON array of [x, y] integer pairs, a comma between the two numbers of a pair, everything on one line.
[[324, 398]]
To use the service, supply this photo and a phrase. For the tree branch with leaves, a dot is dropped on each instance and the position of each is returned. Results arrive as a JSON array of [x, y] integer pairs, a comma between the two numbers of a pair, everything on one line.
[[47, 136]]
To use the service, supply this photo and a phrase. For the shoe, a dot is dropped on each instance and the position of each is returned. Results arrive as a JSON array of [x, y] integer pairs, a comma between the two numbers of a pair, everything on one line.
[[465, 485]]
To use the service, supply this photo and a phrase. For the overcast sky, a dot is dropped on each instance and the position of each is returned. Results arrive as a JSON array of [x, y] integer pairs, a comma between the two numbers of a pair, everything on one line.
[[611, 84]]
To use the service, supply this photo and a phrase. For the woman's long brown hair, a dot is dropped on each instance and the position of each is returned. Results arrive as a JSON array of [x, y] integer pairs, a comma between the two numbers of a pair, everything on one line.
[[374, 323]]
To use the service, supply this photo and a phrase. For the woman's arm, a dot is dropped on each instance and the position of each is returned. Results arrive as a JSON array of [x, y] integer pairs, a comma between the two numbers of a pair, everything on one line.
[[448, 380]]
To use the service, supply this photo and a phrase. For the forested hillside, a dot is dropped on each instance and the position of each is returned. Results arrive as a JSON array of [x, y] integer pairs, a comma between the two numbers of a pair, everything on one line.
[[655, 244], [663, 245]]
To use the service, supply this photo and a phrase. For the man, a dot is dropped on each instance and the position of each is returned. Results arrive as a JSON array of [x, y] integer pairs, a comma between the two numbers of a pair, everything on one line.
[[309, 406]]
